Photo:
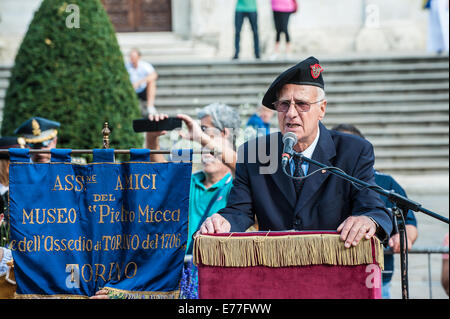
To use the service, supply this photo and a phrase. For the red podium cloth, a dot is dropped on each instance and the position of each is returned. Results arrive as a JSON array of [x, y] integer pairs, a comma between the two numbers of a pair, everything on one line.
[[287, 265]]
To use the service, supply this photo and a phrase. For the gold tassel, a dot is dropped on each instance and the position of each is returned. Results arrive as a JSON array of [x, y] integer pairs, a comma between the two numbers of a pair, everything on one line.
[[284, 251]]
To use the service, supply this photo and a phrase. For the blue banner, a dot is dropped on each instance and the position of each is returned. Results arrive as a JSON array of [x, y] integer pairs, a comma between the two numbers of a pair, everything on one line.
[[78, 228]]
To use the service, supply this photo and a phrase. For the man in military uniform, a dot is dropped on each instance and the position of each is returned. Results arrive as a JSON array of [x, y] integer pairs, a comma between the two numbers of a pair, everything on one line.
[[39, 133]]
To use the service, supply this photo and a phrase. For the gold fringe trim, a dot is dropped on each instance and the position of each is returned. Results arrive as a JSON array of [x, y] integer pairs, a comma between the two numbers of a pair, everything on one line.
[[36, 296], [115, 293], [284, 251]]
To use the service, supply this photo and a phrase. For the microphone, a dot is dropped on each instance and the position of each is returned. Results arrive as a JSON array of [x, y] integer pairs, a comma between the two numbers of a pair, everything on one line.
[[289, 140]]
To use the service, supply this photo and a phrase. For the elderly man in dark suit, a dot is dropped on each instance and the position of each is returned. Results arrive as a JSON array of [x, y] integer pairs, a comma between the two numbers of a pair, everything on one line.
[[322, 201]]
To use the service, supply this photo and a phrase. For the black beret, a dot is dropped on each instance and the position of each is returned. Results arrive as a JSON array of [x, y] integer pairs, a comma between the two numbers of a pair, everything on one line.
[[306, 72]]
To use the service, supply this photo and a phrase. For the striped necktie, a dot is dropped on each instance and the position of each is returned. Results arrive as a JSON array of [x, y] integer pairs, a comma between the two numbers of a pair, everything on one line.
[[298, 172]]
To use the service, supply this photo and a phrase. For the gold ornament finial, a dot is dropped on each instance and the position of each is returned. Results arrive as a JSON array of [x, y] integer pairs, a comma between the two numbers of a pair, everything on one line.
[[106, 131]]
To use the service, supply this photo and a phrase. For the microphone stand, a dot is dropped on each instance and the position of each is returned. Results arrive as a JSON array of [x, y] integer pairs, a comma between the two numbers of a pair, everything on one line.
[[402, 205]]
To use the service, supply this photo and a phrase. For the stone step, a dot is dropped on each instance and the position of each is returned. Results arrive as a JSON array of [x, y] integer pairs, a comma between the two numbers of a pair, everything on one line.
[[192, 70], [383, 109], [369, 120], [143, 39], [359, 113], [330, 89], [395, 133], [356, 101], [409, 131], [392, 121], [163, 46], [178, 51], [5, 74], [407, 142], [332, 80], [179, 71], [410, 153], [407, 167], [324, 60], [365, 94], [426, 62], [4, 82], [375, 111], [436, 82]]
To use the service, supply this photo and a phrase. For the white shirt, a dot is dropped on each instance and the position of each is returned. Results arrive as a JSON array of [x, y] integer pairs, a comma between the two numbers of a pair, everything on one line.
[[143, 70], [3, 189], [307, 153], [7, 257]]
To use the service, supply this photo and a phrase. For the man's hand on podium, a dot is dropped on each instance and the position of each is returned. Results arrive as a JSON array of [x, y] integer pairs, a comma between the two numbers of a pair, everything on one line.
[[354, 228], [215, 224]]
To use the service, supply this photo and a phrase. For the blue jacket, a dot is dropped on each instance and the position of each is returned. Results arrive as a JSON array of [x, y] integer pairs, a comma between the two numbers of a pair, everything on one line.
[[326, 200]]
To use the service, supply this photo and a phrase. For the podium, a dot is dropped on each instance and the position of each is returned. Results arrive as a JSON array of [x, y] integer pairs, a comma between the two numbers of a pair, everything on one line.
[[287, 265]]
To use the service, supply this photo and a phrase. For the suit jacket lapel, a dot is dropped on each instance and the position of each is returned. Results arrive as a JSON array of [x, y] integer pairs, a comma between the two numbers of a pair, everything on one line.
[[324, 152], [283, 181]]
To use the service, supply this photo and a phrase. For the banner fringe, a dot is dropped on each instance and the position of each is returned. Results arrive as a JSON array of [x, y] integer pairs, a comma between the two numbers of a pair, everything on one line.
[[37, 296], [115, 293], [284, 251]]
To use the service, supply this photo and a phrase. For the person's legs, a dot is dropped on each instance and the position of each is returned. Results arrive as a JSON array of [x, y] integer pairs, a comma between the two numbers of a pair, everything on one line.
[[238, 20], [435, 42], [147, 99], [253, 18], [444, 23], [278, 27], [142, 95], [284, 28]]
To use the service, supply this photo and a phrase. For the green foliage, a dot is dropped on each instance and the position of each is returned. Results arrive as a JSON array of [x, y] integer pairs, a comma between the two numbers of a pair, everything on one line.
[[75, 76]]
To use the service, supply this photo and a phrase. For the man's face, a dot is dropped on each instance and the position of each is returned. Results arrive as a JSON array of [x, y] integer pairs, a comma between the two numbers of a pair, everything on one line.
[[302, 124], [134, 58], [211, 164], [44, 157]]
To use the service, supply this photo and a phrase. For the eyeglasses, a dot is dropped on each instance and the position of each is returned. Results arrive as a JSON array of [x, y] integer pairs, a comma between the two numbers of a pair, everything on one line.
[[300, 106], [210, 130]]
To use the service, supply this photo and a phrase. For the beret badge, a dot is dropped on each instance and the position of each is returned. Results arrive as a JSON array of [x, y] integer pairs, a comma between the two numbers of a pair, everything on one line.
[[316, 69]]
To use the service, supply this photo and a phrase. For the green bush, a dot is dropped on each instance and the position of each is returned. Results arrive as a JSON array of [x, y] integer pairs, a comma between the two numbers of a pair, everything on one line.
[[75, 76]]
